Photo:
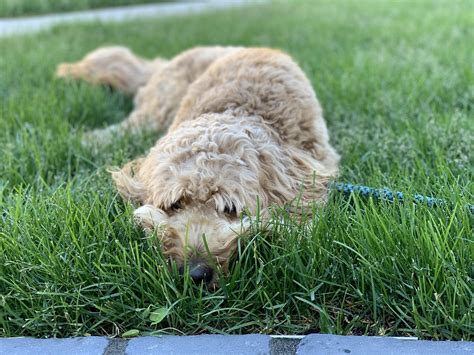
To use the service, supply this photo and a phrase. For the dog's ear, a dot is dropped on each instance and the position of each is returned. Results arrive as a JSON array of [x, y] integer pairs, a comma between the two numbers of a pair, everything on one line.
[[127, 183]]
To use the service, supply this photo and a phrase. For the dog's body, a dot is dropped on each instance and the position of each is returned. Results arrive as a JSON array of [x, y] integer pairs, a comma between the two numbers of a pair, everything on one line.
[[244, 127]]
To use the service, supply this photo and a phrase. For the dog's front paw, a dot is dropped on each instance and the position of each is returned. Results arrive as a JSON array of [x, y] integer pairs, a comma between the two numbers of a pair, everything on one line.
[[149, 218], [100, 137], [68, 70]]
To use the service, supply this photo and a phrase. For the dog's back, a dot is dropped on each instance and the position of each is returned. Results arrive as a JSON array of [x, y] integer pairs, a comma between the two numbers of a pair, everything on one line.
[[266, 83]]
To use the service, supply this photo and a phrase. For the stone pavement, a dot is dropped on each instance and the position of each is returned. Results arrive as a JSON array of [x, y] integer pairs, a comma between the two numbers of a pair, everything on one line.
[[13, 26], [313, 344]]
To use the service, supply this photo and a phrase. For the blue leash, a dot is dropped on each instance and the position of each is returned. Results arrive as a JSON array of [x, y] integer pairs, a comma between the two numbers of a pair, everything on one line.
[[389, 195]]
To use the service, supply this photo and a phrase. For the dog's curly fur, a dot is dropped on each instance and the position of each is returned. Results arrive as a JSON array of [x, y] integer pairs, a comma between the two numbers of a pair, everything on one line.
[[245, 127]]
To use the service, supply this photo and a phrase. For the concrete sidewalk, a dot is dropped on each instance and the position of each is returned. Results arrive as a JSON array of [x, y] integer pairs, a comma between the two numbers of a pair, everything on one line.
[[313, 344], [13, 26]]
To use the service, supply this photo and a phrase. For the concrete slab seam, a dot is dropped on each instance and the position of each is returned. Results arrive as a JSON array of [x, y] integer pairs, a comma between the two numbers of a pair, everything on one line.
[[116, 346], [284, 345]]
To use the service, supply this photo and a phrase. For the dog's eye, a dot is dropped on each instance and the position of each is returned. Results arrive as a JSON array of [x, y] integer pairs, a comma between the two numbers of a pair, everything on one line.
[[230, 210], [176, 205]]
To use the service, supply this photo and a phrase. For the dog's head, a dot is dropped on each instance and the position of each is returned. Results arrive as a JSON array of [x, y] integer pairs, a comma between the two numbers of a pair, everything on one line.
[[195, 184], [194, 235]]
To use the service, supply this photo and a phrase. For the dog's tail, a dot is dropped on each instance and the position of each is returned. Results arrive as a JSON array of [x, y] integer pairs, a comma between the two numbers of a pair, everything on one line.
[[117, 67]]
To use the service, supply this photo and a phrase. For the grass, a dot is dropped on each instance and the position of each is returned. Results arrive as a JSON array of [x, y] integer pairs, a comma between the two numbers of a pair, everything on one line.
[[396, 85], [13, 8]]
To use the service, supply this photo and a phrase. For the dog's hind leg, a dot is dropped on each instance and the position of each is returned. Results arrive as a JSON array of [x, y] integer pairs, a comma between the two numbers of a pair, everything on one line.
[[117, 67], [157, 102]]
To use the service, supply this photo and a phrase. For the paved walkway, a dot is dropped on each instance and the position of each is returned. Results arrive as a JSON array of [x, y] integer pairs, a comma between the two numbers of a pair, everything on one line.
[[21, 25], [313, 344]]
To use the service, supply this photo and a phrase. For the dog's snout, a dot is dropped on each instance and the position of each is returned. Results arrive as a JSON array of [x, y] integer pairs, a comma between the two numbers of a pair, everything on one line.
[[200, 272]]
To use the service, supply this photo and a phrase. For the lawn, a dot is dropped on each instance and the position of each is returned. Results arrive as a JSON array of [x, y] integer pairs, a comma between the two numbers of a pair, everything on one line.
[[12, 8], [396, 84]]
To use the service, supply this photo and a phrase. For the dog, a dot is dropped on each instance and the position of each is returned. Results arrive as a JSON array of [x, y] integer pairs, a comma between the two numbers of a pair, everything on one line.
[[245, 131]]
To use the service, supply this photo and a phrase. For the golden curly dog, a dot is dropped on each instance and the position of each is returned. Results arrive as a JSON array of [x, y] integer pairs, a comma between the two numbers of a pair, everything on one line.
[[244, 128]]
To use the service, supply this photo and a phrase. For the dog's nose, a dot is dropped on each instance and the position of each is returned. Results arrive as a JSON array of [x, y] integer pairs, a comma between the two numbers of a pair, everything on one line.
[[200, 272]]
